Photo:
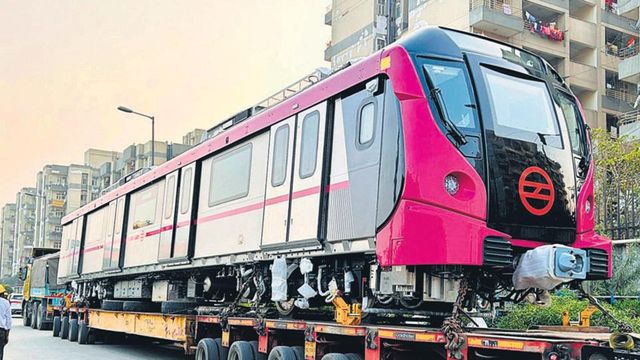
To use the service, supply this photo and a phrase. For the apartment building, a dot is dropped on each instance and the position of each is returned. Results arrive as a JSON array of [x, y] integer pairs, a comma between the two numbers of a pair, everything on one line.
[[592, 43], [24, 226], [193, 137], [51, 194], [7, 231]]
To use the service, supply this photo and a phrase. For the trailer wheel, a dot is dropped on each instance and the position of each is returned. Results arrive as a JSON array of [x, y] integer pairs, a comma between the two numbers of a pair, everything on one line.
[[257, 355], [57, 323], [240, 350], [113, 305], [353, 356], [139, 306], [335, 356], [223, 351], [282, 353], [177, 307], [26, 315], [210, 349], [34, 315], [83, 333], [41, 310], [299, 350], [73, 330], [64, 327]]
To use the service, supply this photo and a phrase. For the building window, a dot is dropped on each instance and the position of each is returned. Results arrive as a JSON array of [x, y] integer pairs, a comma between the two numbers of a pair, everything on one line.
[[59, 196], [85, 179], [230, 176], [185, 194], [367, 124], [309, 144], [144, 207], [280, 152]]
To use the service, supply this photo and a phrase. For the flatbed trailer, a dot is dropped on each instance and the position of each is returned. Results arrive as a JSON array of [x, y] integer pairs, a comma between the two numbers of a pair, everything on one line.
[[212, 337]]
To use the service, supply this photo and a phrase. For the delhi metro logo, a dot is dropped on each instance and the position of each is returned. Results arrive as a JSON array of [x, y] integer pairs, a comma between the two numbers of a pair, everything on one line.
[[536, 190]]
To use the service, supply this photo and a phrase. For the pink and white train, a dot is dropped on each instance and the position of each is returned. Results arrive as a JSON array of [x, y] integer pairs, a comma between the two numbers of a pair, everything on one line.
[[442, 157]]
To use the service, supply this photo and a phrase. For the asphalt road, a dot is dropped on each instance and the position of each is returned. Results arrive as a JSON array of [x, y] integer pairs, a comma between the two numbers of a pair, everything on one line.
[[26, 343]]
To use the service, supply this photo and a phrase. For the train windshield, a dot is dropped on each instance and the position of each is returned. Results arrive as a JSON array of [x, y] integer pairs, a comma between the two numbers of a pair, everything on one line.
[[522, 109]]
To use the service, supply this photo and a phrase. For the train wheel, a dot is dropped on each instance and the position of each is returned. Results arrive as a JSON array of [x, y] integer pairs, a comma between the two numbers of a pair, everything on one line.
[[26, 315], [138, 306], [57, 324], [257, 355], [240, 350], [83, 333], [286, 308], [335, 356], [112, 305], [210, 349], [64, 327], [353, 356], [299, 350], [177, 307], [34, 315], [283, 353], [73, 330]]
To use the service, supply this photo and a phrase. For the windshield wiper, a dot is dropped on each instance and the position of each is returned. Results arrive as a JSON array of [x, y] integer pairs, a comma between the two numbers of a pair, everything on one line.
[[452, 129]]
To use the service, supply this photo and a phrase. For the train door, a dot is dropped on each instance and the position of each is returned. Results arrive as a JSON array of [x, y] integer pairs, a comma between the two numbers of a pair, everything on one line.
[[113, 261], [168, 215], [108, 240], [276, 213], [183, 218], [292, 201], [76, 238]]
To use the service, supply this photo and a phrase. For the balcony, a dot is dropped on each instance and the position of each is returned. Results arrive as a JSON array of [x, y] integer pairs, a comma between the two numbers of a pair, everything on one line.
[[583, 76], [629, 65], [583, 32], [328, 16], [618, 100], [496, 17], [629, 8], [621, 22]]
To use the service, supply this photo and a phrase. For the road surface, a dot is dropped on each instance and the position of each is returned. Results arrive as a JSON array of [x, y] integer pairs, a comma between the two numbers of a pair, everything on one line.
[[26, 343]]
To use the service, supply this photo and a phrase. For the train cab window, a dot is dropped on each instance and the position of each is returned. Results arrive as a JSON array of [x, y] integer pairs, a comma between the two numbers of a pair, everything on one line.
[[367, 124], [280, 152], [309, 144], [230, 176], [170, 200], [185, 193], [144, 207], [572, 116]]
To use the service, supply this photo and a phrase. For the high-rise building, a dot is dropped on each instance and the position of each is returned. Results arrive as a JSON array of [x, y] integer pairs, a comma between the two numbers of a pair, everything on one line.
[[593, 44], [24, 226], [51, 188], [193, 137], [96, 157], [7, 230]]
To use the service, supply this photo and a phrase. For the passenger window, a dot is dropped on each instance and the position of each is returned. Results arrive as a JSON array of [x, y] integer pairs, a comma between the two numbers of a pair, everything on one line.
[[366, 124], [230, 176], [280, 151], [185, 194], [144, 207], [309, 144], [170, 200]]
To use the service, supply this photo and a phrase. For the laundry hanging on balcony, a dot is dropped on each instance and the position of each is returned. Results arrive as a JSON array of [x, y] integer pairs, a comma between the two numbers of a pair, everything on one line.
[[544, 29]]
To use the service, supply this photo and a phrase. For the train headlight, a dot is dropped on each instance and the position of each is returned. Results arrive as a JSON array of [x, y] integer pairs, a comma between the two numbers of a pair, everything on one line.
[[587, 206], [206, 285], [451, 184]]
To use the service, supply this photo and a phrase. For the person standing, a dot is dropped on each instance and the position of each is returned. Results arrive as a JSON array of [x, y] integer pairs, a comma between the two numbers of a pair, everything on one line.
[[5, 319]]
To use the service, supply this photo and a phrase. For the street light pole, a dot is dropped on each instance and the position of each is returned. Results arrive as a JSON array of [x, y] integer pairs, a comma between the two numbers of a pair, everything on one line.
[[153, 130]]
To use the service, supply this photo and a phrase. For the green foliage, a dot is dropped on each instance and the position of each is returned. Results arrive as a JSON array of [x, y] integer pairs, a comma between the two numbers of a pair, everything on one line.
[[524, 316], [626, 273]]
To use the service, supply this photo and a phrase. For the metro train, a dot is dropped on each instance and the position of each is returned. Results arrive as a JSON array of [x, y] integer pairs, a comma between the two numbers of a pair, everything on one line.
[[444, 158]]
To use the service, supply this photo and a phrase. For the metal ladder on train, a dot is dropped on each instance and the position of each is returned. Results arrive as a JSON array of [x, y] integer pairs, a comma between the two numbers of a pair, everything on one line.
[[299, 85]]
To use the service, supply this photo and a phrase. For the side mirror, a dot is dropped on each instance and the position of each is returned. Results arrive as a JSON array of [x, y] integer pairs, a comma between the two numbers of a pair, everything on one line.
[[23, 273]]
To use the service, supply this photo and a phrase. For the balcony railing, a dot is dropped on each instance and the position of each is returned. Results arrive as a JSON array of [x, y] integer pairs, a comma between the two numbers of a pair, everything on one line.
[[623, 52], [545, 31], [622, 95], [505, 7]]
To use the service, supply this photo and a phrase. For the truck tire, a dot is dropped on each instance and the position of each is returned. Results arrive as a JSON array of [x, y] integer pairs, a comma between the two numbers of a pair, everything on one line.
[[222, 350], [177, 307], [83, 333], [282, 353], [354, 356], [210, 349], [34, 315], [26, 315], [57, 324], [257, 355], [64, 327], [112, 305], [335, 356], [73, 330], [42, 317], [139, 306], [299, 350], [240, 350]]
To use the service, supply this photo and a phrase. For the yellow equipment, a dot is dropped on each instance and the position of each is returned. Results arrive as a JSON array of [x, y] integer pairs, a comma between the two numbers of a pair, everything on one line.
[[585, 317], [347, 314]]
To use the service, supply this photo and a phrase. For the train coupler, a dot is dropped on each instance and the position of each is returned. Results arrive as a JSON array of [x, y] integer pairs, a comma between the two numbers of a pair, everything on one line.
[[347, 314]]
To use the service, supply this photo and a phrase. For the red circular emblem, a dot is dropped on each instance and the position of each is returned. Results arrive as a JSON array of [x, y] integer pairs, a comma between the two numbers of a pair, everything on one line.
[[530, 187]]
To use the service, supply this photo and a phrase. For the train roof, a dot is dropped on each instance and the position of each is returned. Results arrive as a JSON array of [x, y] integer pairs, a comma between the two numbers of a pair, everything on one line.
[[430, 40]]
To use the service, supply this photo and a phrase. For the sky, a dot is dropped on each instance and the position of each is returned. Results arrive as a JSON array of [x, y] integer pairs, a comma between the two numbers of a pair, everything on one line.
[[66, 65]]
